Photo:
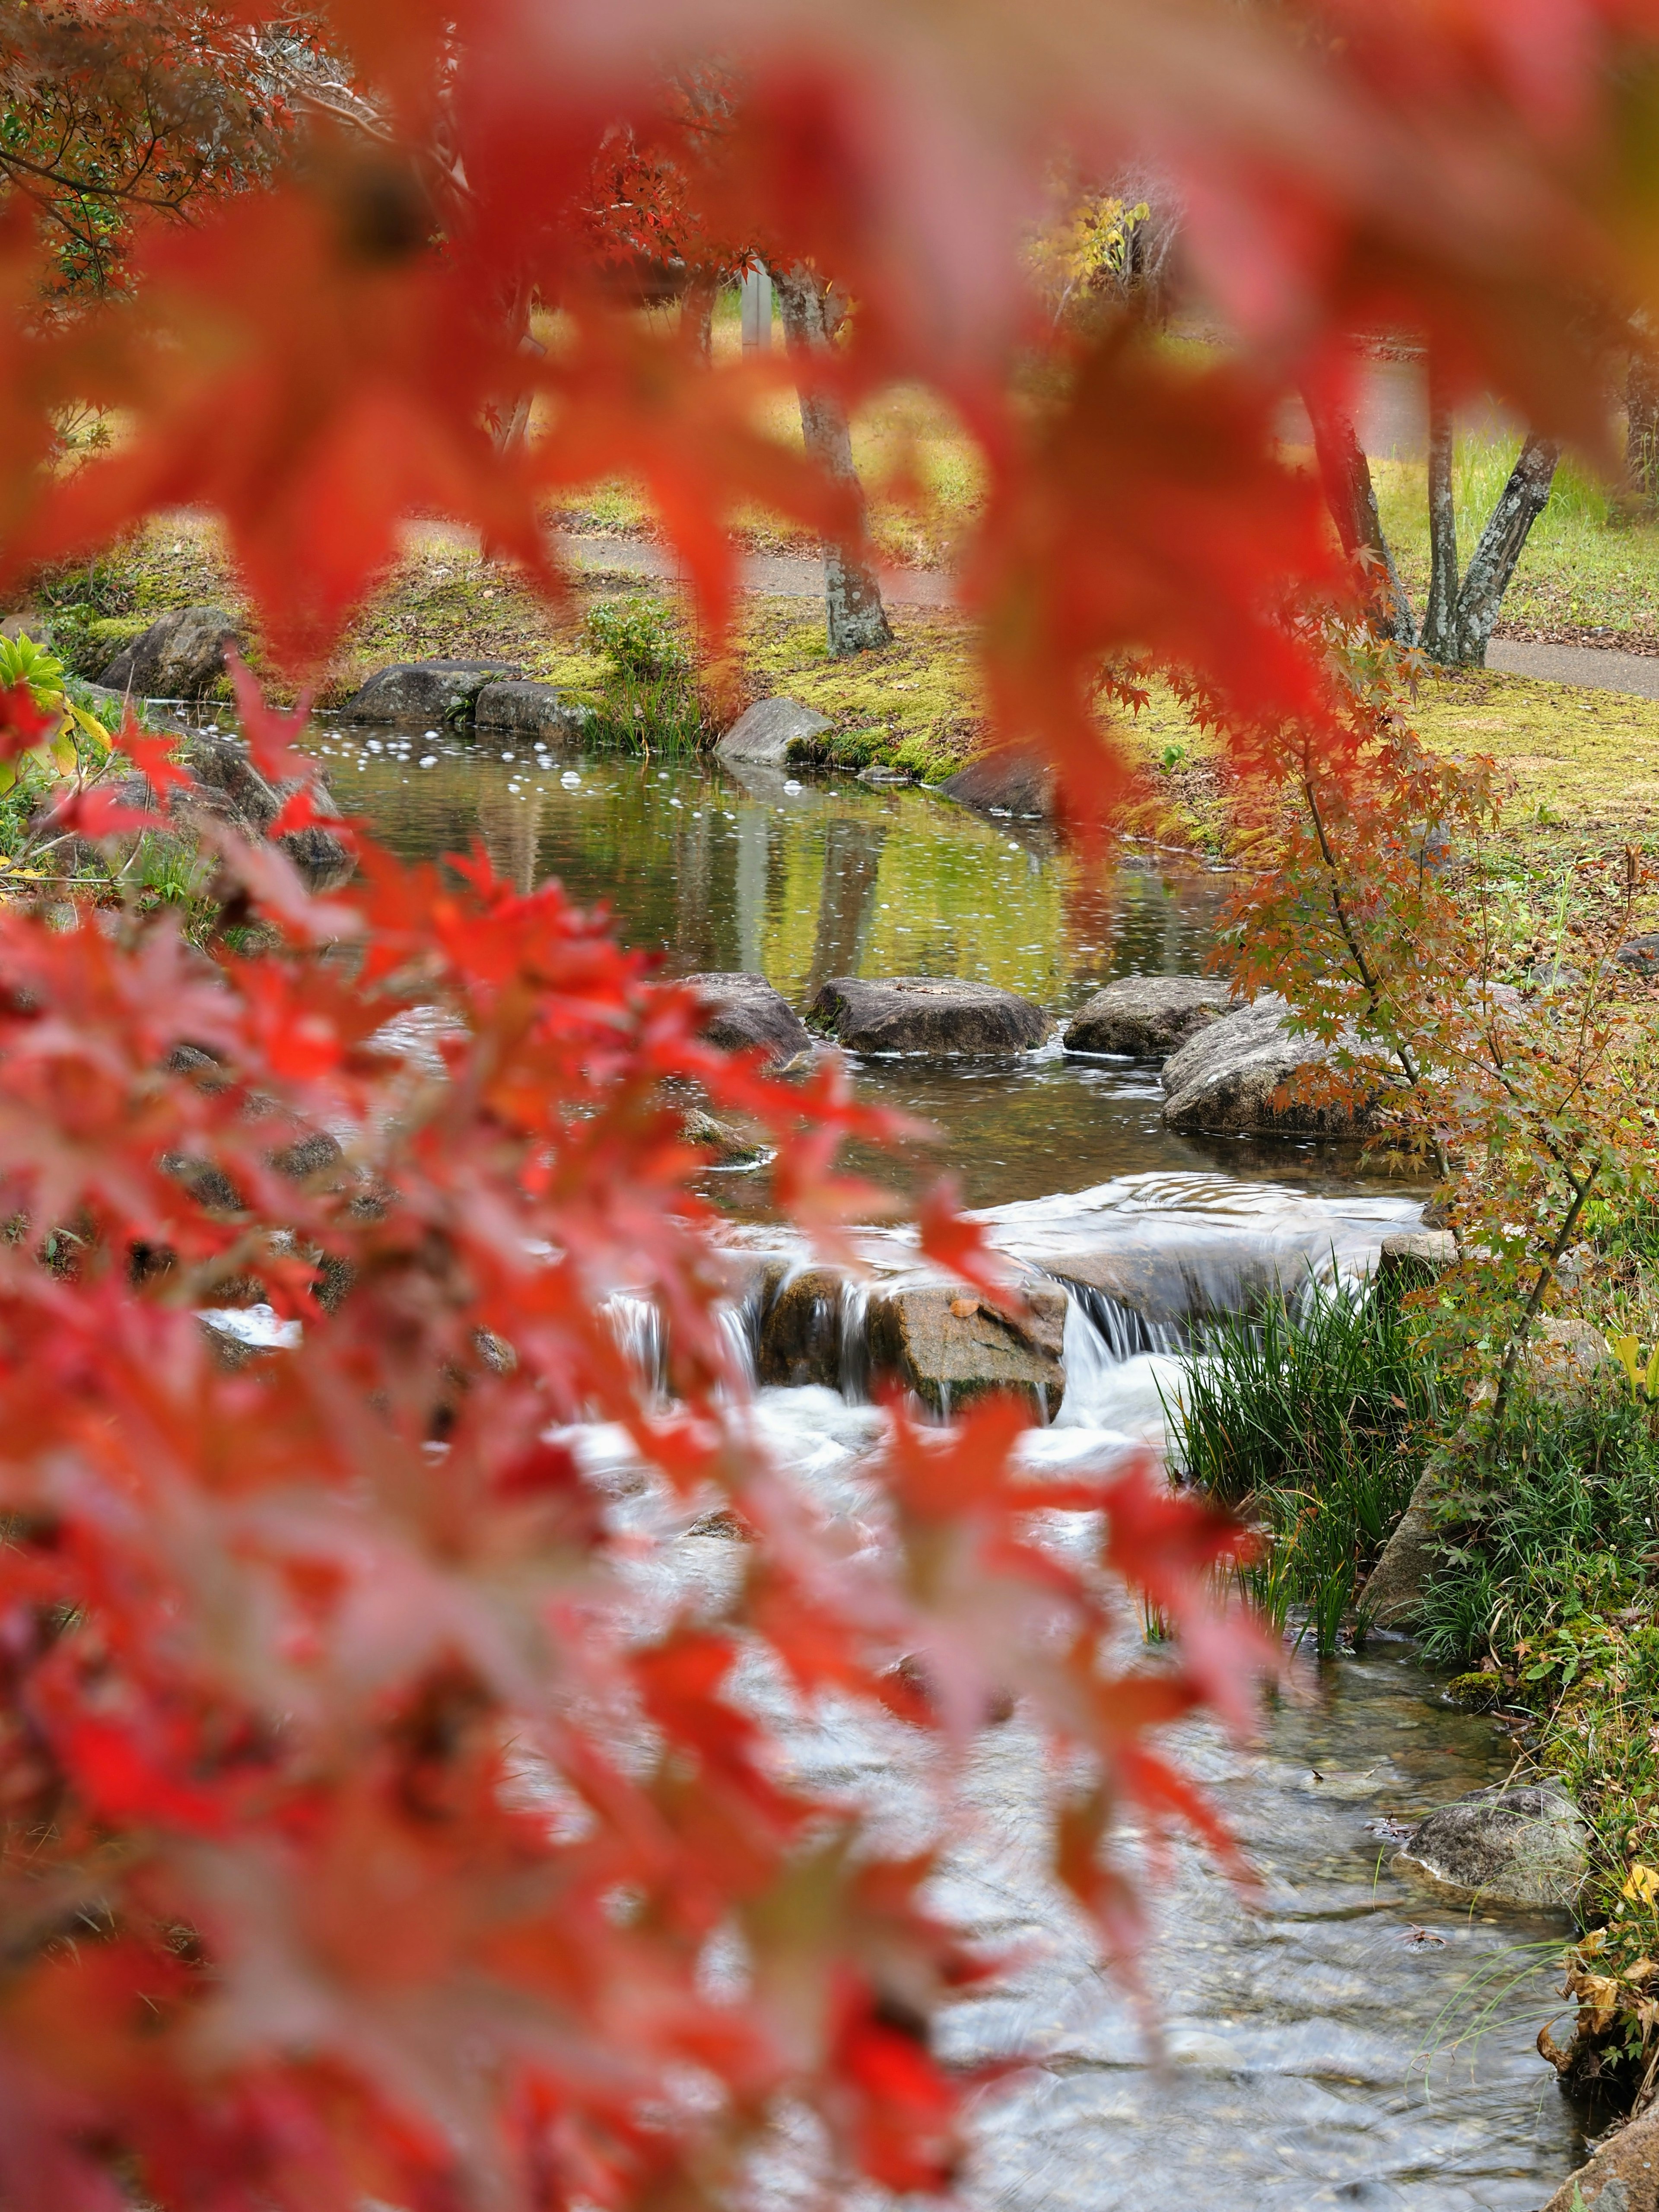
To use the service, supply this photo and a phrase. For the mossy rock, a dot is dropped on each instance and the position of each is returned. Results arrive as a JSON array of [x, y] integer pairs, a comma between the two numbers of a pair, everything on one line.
[[1476, 1692]]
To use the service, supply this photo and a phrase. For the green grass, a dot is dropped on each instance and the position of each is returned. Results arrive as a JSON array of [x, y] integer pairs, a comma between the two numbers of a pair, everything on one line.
[[1313, 1424], [1588, 567]]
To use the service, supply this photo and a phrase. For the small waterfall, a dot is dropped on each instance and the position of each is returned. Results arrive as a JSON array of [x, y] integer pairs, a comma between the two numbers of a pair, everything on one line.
[[740, 1328], [1125, 1331], [637, 1325], [853, 1375]]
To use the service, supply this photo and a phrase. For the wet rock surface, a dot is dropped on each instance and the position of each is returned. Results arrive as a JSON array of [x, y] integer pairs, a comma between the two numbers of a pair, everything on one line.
[[927, 1017], [1018, 785], [1623, 2176], [748, 1013], [1229, 1075], [949, 1346], [1527, 1847], [424, 690], [1147, 1017], [773, 732], [529, 710], [177, 657]]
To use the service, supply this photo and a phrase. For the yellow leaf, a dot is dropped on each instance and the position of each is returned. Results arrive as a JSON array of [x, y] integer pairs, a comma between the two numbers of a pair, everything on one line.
[[1641, 1883]]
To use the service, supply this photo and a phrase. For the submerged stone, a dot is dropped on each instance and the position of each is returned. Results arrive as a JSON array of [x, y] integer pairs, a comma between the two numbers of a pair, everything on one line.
[[1527, 1847], [1147, 1017], [927, 1017], [1020, 785]]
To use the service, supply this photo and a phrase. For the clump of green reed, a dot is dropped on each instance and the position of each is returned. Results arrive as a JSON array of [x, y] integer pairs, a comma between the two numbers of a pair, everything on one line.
[[1314, 1421], [650, 702]]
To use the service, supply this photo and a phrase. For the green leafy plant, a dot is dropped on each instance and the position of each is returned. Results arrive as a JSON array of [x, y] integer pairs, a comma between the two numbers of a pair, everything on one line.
[[638, 637], [22, 661]]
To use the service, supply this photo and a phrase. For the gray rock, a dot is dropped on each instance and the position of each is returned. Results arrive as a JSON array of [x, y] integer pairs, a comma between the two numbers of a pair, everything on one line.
[[1014, 783], [527, 709], [1567, 1360], [731, 1147], [226, 786], [1417, 1254], [1622, 2177], [925, 1016], [1393, 1595], [949, 1346], [801, 1330], [1224, 1078], [424, 690], [772, 731], [1641, 953], [177, 657], [1147, 1016], [746, 1012], [1524, 1846]]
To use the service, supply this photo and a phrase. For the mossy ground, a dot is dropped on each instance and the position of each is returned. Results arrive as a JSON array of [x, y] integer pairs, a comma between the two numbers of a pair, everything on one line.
[[1576, 766]]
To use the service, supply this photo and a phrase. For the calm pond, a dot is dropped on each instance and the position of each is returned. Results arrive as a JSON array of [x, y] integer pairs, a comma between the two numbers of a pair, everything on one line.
[[1345, 2040]]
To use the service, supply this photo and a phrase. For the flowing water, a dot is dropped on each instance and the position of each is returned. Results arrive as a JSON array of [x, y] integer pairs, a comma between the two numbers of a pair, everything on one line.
[[1343, 2038]]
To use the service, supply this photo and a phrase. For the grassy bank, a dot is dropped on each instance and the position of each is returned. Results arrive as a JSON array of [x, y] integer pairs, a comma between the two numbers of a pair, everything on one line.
[[1544, 1605]]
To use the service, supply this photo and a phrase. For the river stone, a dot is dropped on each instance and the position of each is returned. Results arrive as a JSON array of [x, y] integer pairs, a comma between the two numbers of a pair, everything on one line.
[[529, 710], [226, 786], [1641, 953], [772, 731], [1417, 1254], [1224, 1078], [1526, 1846], [747, 1011], [423, 691], [950, 1347], [800, 1329], [1020, 785], [177, 657], [1568, 1360], [925, 1016], [1147, 1016], [1622, 2177]]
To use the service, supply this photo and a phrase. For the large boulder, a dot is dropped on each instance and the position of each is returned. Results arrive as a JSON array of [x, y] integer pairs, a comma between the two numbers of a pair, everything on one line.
[[179, 657], [1640, 953], [1147, 1017], [1622, 2177], [925, 1016], [529, 710], [746, 1012], [226, 786], [1018, 785], [1414, 1256], [949, 1346], [1567, 1360], [1226, 1079], [773, 732], [424, 690], [1525, 1846]]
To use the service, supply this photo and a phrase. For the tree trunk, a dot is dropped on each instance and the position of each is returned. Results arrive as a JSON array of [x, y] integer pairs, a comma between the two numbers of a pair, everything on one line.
[[1440, 615], [697, 315], [1521, 502], [857, 619], [1345, 476], [1642, 432]]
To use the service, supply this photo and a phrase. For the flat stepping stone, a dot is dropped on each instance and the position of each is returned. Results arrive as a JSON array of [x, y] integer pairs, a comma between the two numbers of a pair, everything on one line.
[[529, 710], [745, 1011], [927, 1017], [423, 691], [1147, 1017]]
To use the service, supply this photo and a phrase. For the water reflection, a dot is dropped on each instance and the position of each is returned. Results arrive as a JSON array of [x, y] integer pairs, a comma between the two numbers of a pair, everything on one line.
[[802, 879]]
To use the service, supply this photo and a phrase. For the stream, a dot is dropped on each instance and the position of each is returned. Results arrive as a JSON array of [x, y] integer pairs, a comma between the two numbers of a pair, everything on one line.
[[1345, 2040]]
